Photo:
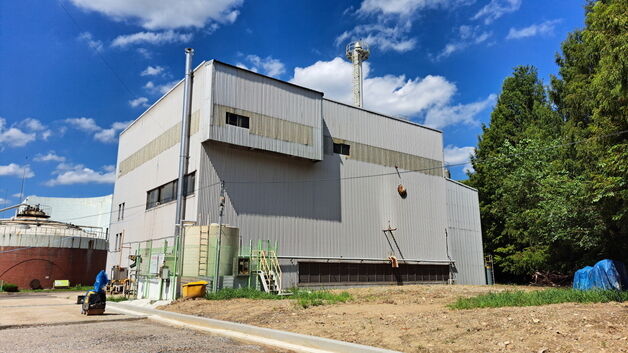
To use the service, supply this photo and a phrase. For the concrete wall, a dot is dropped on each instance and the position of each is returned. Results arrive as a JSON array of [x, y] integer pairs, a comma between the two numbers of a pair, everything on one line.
[[465, 233]]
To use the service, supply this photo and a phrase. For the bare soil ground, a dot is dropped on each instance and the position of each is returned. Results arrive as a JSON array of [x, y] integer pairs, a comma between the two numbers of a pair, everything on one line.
[[415, 319]]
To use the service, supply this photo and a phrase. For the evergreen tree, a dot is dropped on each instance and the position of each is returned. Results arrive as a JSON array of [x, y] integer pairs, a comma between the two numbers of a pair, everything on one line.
[[591, 95], [508, 173]]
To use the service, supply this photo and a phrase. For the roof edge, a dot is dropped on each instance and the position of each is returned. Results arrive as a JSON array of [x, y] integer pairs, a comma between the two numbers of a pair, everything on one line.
[[160, 99], [462, 184], [384, 115]]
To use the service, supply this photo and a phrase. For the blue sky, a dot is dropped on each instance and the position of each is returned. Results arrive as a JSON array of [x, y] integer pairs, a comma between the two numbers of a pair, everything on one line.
[[75, 72]]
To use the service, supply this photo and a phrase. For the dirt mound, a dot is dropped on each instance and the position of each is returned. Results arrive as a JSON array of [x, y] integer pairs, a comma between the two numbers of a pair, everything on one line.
[[416, 319]]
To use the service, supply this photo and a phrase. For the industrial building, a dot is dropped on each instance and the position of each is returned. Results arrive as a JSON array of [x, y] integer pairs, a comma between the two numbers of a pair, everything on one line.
[[336, 194]]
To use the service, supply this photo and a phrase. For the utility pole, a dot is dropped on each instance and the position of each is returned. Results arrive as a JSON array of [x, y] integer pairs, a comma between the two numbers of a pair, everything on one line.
[[221, 209]]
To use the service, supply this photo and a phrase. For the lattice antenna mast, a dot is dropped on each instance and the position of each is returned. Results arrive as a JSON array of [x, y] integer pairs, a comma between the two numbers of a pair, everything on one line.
[[357, 52]]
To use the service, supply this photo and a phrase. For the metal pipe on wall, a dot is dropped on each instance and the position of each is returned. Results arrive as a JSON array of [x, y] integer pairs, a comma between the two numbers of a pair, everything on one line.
[[184, 156]]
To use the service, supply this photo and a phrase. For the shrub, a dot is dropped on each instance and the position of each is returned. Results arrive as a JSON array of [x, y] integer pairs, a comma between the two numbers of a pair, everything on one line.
[[9, 287]]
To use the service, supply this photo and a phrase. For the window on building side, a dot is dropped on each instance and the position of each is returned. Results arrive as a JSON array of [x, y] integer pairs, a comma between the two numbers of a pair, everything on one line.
[[118, 244], [238, 120], [168, 192], [341, 148], [121, 211]]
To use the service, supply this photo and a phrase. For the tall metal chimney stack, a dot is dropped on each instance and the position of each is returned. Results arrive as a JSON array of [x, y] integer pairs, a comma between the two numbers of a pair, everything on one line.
[[357, 52]]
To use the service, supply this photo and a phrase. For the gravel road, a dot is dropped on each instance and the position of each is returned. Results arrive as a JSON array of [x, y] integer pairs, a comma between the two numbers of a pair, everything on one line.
[[127, 336]]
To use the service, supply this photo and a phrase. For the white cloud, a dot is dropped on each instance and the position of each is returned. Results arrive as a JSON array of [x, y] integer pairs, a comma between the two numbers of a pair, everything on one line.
[[544, 28], [466, 36], [147, 54], [268, 65], [99, 133], [91, 42], [455, 156], [4, 201], [50, 156], [110, 135], [429, 96], [153, 88], [152, 71], [32, 124], [166, 14], [385, 37], [69, 174], [16, 170], [496, 9], [154, 38], [84, 124], [394, 95], [440, 116], [139, 102], [404, 7], [391, 22], [14, 136]]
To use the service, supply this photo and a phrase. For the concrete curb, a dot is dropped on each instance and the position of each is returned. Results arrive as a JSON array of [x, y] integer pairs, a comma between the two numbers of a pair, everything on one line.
[[281, 339], [62, 323]]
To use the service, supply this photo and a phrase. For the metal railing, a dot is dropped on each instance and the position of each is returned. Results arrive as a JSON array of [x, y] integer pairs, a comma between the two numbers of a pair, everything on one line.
[[33, 230]]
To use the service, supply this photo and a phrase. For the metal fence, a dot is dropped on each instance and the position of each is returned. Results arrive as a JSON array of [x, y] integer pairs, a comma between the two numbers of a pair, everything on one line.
[[34, 230]]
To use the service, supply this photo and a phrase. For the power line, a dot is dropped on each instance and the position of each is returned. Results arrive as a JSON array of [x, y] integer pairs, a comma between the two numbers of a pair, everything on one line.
[[102, 57], [426, 169], [367, 176]]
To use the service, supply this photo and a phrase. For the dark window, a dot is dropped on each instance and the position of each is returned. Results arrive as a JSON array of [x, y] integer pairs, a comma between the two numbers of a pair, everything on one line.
[[238, 120], [341, 148], [188, 185], [168, 192], [121, 211], [152, 198]]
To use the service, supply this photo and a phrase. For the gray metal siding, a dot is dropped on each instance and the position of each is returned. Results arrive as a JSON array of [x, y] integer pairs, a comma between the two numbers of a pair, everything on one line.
[[241, 89], [358, 125], [465, 233], [320, 209]]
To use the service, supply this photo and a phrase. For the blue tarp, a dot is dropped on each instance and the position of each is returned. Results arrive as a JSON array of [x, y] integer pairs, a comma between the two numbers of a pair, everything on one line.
[[101, 281], [606, 274]]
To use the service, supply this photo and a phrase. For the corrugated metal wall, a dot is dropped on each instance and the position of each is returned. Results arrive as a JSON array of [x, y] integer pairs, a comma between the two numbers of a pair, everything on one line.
[[247, 91], [310, 211], [465, 233]]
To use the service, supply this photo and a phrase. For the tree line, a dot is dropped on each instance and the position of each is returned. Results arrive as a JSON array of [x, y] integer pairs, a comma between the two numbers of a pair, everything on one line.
[[551, 168]]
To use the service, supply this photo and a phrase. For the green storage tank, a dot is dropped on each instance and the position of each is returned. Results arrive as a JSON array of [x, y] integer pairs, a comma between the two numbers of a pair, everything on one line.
[[200, 250]]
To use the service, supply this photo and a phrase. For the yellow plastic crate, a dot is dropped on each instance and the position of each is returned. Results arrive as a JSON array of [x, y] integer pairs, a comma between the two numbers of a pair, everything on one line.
[[194, 289]]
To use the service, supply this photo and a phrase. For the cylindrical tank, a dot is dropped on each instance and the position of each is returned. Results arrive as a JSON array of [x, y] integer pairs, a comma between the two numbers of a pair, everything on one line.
[[35, 251], [229, 247], [200, 250]]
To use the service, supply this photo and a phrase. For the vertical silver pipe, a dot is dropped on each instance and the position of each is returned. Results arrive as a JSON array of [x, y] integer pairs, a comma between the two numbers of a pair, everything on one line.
[[184, 156]]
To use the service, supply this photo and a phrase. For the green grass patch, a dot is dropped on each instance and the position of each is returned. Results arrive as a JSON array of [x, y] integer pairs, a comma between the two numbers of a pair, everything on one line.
[[303, 298], [306, 299], [539, 297], [249, 293], [117, 299], [69, 289]]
